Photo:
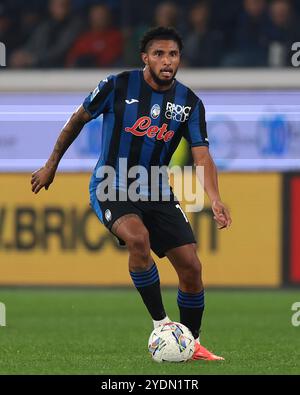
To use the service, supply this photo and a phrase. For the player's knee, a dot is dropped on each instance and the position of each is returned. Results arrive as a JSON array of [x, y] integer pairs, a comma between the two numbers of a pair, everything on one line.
[[192, 275], [139, 246]]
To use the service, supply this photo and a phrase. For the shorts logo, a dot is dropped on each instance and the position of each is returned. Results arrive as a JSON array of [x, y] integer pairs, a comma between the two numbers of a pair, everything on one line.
[[155, 111], [177, 112], [107, 215]]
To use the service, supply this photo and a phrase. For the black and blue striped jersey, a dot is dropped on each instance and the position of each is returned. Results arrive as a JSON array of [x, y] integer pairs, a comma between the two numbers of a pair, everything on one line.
[[141, 124]]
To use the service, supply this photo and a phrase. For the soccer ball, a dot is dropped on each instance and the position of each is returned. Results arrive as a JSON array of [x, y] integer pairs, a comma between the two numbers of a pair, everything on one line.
[[171, 342]]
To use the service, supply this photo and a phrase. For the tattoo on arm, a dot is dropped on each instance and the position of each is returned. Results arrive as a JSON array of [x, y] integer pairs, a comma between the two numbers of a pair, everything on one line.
[[68, 134]]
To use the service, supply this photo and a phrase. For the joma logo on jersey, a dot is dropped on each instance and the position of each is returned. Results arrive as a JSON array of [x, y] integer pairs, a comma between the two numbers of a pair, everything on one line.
[[177, 112], [143, 127]]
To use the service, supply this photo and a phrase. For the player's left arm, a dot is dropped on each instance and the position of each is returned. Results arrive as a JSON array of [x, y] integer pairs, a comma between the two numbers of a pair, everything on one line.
[[196, 134], [202, 157]]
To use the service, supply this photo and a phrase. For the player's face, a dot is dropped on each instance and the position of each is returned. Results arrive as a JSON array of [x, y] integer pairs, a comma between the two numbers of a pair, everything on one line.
[[162, 60]]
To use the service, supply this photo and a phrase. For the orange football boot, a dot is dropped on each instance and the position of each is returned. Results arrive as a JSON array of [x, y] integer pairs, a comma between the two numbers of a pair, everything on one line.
[[202, 353]]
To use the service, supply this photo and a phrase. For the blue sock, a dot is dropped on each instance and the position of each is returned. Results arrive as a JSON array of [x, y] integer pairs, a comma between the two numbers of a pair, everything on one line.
[[191, 307], [148, 285]]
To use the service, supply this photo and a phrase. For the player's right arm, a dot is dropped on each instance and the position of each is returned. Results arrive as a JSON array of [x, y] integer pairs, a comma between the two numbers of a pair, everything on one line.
[[97, 102], [43, 177]]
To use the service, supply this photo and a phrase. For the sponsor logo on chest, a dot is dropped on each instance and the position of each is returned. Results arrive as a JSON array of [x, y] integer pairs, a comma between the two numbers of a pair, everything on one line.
[[177, 112], [143, 127]]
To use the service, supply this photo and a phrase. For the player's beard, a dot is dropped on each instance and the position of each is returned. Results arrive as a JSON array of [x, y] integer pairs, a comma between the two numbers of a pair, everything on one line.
[[159, 81]]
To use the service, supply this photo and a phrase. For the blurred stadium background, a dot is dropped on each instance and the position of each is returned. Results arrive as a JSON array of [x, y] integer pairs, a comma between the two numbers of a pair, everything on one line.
[[238, 58]]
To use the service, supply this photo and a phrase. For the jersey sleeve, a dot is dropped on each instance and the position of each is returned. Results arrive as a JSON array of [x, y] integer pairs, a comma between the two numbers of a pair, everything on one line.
[[100, 100], [196, 132]]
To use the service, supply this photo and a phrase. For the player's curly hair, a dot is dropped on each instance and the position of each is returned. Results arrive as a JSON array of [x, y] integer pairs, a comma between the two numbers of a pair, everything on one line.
[[160, 33]]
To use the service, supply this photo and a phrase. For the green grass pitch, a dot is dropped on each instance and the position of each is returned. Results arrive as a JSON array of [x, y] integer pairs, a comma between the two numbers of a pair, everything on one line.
[[57, 331]]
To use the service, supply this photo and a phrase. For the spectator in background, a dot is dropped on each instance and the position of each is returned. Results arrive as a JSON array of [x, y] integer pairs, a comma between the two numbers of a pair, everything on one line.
[[283, 30], [166, 14], [52, 38], [101, 45], [223, 18], [112, 4], [250, 46], [29, 18], [131, 55], [9, 33], [203, 47]]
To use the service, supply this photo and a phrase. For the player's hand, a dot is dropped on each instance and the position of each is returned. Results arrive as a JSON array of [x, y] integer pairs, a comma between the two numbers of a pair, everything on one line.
[[221, 214], [42, 178]]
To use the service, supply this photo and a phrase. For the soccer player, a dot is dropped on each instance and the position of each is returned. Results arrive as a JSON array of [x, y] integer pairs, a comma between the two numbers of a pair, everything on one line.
[[145, 115]]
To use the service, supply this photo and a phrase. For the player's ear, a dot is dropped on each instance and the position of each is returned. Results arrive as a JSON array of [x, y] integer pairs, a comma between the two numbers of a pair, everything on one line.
[[144, 57]]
